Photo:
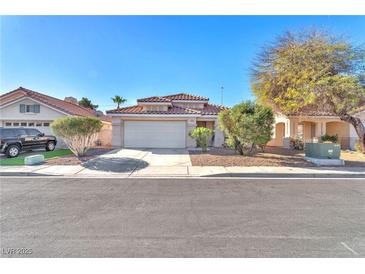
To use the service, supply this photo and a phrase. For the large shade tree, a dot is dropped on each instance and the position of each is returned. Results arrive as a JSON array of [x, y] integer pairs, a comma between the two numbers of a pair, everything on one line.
[[312, 70]]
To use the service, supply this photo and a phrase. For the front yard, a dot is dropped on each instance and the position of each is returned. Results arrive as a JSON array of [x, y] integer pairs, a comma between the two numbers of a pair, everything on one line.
[[273, 156], [19, 161], [56, 157]]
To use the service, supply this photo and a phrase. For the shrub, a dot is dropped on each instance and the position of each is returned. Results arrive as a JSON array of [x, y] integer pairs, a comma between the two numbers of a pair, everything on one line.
[[297, 143], [358, 146], [248, 126], [201, 136], [79, 133], [329, 138]]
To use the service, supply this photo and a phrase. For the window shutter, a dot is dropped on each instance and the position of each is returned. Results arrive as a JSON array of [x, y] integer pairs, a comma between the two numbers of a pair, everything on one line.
[[36, 108], [22, 108]]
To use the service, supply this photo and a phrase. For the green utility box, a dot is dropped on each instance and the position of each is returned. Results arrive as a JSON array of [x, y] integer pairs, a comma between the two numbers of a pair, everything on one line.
[[322, 150], [34, 159]]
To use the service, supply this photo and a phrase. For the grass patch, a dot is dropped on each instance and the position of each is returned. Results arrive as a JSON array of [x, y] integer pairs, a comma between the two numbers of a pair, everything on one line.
[[19, 161]]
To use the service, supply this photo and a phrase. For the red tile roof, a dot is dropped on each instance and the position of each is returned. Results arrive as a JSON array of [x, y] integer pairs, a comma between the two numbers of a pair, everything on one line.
[[174, 97], [313, 110], [207, 110], [58, 104], [185, 97], [154, 99]]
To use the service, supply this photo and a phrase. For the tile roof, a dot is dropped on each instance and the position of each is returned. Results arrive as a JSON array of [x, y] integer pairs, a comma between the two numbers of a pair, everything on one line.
[[185, 97], [314, 110], [58, 104], [207, 110], [154, 99], [211, 109], [174, 97]]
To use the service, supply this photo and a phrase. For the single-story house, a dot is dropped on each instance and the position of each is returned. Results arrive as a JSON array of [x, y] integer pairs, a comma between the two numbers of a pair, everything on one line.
[[164, 122], [310, 125], [26, 108]]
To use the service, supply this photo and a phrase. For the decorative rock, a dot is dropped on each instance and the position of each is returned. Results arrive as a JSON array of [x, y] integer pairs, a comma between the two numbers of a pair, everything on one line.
[[33, 160]]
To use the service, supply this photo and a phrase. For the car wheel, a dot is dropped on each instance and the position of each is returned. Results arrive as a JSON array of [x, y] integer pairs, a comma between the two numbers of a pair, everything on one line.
[[50, 146], [12, 151]]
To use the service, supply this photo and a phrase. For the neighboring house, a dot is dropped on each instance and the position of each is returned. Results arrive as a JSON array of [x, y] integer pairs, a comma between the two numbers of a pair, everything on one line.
[[26, 108], [310, 125], [164, 122]]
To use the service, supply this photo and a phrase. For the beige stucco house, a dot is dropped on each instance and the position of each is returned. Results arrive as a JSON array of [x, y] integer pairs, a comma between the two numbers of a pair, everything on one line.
[[26, 108], [164, 122], [311, 125]]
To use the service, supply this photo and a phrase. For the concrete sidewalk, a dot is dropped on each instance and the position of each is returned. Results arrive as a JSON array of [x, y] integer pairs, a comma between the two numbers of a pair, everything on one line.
[[184, 171]]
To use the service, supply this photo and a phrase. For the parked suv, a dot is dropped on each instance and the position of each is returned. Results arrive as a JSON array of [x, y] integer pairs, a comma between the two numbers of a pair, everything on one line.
[[14, 140]]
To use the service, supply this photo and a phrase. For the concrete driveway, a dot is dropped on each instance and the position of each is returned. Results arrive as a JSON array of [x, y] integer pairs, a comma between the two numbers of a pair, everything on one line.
[[154, 157], [130, 160]]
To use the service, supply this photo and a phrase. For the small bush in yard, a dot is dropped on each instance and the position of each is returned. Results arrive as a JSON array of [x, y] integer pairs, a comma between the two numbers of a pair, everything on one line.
[[358, 146], [248, 126], [329, 138], [201, 136], [297, 143], [79, 133]]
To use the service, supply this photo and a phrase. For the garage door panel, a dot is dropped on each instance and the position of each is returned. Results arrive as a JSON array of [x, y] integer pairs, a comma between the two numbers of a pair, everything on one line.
[[154, 134]]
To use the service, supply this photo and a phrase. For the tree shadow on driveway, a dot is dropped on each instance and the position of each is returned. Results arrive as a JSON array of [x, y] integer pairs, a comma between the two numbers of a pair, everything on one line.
[[115, 164]]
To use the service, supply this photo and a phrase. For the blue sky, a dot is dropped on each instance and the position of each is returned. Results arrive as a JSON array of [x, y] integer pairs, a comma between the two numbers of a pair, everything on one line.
[[140, 56]]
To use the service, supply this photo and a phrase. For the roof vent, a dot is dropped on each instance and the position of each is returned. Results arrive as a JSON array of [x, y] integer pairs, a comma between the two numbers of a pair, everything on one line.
[[71, 100]]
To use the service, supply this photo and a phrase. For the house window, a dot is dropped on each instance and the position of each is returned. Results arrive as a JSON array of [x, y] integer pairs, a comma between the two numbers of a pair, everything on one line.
[[23, 124], [46, 124], [29, 108], [30, 124], [15, 124], [38, 124], [7, 124]]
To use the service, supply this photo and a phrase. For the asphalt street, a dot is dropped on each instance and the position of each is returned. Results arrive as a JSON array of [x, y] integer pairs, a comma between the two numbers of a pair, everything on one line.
[[106, 217]]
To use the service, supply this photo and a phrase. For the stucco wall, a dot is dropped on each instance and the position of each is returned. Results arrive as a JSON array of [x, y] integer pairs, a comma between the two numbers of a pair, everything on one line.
[[279, 133], [283, 128], [105, 135], [308, 131], [12, 112], [190, 125], [117, 132]]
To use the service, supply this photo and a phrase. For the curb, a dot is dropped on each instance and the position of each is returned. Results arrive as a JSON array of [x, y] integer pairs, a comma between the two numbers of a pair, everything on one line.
[[218, 175], [287, 175]]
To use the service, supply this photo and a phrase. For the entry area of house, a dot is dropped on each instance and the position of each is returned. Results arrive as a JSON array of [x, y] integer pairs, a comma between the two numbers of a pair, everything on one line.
[[311, 130]]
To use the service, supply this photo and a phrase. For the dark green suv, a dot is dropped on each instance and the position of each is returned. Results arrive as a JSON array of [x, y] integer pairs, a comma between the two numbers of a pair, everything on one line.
[[15, 140]]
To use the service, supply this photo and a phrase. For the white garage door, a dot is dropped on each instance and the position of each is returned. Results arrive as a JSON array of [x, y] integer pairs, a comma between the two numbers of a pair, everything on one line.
[[154, 134]]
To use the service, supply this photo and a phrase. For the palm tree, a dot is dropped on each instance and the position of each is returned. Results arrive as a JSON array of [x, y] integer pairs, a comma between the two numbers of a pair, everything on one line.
[[118, 100]]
